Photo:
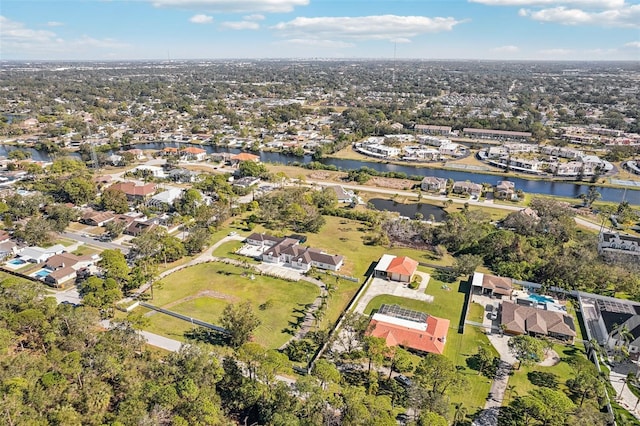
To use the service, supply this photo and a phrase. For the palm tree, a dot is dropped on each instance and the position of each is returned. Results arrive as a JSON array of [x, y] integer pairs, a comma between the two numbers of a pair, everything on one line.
[[623, 337], [509, 390], [460, 414]]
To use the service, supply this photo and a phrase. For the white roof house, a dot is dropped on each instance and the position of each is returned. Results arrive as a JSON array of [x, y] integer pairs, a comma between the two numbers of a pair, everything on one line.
[[39, 254], [166, 197]]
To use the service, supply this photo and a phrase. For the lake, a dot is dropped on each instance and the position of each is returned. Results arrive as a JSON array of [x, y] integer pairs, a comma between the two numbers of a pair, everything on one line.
[[410, 210]]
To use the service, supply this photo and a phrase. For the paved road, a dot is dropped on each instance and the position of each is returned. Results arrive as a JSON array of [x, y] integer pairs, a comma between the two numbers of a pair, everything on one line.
[[91, 241]]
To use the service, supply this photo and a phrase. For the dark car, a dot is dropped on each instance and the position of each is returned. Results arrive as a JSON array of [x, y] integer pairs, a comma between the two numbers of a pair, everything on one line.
[[403, 380]]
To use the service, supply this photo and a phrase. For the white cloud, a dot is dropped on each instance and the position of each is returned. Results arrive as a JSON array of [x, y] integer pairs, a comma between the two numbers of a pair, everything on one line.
[[201, 19], [254, 17], [628, 16], [241, 25], [233, 6], [635, 44], [19, 41], [506, 49], [600, 4], [382, 27], [55, 24], [400, 40], [318, 43]]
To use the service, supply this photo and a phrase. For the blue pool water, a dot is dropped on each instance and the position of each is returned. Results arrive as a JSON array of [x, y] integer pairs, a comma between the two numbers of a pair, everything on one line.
[[17, 262], [42, 273], [540, 299]]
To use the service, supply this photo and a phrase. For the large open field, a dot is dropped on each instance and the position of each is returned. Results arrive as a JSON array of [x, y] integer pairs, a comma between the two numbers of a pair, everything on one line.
[[202, 292]]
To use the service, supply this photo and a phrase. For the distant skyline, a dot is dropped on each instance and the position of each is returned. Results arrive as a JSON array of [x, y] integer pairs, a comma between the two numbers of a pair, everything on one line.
[[376, 29]]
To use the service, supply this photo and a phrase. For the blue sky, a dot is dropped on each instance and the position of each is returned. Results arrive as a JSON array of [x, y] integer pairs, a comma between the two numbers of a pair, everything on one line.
[[425, 29]]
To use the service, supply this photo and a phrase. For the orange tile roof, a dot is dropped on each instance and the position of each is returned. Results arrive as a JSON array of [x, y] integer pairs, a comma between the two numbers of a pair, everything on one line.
[[194, 150], [170, 149], [245, 156], [432, 340], [403, 265], [130, 188]]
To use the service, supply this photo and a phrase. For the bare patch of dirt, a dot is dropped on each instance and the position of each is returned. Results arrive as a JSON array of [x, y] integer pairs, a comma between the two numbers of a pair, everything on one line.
[[403, 184], [320, 175], [551, 358]]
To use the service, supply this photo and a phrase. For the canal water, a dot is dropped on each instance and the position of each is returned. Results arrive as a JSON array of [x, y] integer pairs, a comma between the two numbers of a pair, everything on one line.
[[410, 210], [560, 189]]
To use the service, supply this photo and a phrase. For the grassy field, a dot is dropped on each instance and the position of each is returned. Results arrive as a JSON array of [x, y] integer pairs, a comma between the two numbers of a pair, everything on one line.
[[202, 291], [228, 249], [522, 383]]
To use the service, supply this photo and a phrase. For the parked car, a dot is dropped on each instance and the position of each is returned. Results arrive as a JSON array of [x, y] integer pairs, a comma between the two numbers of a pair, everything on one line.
[[403, 380]]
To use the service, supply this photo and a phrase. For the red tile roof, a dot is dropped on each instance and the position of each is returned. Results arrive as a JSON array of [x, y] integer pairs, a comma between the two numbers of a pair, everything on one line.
[[432, 340], [245, 156], [130, 188], [403, 265]]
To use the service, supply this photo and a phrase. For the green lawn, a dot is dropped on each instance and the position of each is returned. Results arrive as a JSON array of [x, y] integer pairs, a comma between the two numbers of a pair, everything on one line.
[[562, 370], [476, 313], [228, 250], [202, 291]]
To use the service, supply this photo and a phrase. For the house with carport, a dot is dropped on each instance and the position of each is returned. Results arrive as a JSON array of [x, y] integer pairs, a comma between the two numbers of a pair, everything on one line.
[[491, 285]]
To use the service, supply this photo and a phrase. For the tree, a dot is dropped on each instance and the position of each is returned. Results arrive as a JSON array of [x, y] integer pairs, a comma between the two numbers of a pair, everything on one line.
[[438, 374], [466, 264], [429, 418], [79, 190], [114, 265], [35, 232], [526, 349], [114, 199], [115, 228], [585, 385], [187, 204], [171, 249], [240, 321], [375, 349], [591, 196], [326, 372], [400, 360], [59, 216], [197, 240], [19, 154], [460, 415]]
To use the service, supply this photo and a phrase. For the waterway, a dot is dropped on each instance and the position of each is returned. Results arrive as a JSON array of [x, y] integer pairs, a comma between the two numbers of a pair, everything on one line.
[[529, 186], [410, 210]]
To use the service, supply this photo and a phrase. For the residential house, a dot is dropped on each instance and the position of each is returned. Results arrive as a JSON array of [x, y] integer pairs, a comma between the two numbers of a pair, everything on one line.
[[115, 160], [412, 330], [246, 182], [95, 218], [491, 285], [611, 243], [155, 171], [434, 184], [342, 195], [193, 153], [289, 252], [65, 266], [39, 254], [522, 319], [165, 199], [170, 151], [244, 156], [135, 192], [396, 268], [470, 188], [138, 227], [505, 190], [137, 153], [182, 175], [8, 249]]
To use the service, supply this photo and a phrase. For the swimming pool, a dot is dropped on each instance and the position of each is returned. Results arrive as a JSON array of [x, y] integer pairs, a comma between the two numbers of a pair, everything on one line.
[[17, 262], [42, 273], [540, 298]]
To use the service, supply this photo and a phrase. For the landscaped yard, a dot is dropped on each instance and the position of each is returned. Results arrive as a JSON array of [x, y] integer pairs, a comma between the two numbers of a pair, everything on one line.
[[228, 249], [521, 377], [202, 291], [448, 303]]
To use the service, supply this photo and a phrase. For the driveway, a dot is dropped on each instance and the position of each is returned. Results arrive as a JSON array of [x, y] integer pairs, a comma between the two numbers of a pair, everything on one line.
[[379, 286]]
